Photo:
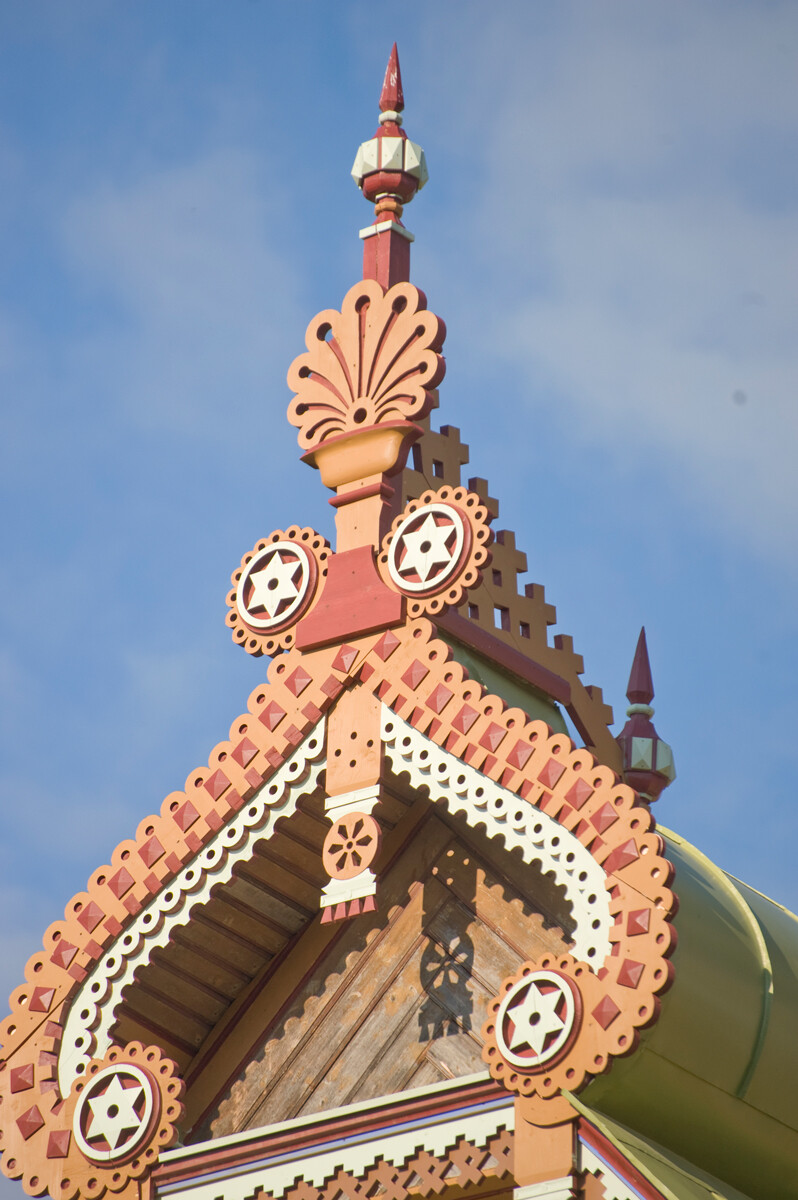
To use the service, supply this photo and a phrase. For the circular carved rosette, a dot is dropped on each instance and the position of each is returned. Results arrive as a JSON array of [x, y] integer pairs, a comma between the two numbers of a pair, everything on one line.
[[537, 1020], [121, 1113], [553, 1025], [435, 550], [274, 587], [351, 845]]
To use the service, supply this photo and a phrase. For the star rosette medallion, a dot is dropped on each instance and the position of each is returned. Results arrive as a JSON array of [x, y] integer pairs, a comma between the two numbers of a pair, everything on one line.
[[537, 1019], [275, 585], [115, 1112], [436, 549], [122, 1111]]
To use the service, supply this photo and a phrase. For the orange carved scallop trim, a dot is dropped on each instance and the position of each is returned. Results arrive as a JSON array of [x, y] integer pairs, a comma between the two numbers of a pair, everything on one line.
[[280, 715], [414, 673], [58, 1163]]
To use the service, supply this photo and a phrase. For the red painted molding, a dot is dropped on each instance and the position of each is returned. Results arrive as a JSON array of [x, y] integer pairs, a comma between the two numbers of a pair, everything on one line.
[[381, 489], [354, 601], [615, 1159], [324, 1129]]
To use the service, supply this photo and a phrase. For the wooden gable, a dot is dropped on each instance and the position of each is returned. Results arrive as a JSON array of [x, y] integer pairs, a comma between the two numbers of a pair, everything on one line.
[[398, 999], [513, 888]]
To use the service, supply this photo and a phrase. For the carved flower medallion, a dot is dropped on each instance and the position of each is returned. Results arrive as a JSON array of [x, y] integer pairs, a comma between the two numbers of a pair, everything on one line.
[[435, 550], [275, 585], [427, 548], [351, 845]]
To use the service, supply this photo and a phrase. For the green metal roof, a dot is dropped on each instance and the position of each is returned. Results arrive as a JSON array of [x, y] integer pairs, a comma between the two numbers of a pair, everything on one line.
[[670, 1174], [715, 1081]]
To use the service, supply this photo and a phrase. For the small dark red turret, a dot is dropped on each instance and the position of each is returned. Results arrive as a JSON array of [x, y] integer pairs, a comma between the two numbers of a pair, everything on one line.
[[389, 169], [647, 760]]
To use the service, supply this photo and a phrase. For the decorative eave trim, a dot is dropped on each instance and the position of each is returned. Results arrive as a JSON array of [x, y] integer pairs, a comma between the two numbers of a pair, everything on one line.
[[344, 1134], [411, 671], [87, 1029], [540, 838], [484, 1134]]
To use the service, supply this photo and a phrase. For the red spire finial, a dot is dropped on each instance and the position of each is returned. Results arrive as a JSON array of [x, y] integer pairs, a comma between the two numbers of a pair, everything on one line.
[[647, 760], [640, 689], [389, 169], [392, 98]]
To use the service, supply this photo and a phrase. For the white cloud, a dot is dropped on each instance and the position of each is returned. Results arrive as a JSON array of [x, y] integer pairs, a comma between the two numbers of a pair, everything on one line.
[[197, 295], [639, 225]]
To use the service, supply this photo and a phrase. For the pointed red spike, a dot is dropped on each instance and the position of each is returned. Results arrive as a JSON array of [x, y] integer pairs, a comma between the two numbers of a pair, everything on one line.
[[640, 689], [392, 98]]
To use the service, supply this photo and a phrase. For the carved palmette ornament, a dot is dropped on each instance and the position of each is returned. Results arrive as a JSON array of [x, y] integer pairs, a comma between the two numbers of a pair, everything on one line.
[[436, 549], [375, 361], [276, 584]]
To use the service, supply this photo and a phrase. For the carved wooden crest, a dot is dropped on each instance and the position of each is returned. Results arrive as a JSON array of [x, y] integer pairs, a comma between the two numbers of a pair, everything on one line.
[[377, 360]]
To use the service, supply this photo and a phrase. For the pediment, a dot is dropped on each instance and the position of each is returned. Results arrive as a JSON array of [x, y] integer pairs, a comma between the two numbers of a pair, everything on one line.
[[397, 998], [214, 953], [241, 974]]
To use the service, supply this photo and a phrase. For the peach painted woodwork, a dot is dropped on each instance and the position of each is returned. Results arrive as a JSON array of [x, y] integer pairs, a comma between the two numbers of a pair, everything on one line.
[[386, 877]]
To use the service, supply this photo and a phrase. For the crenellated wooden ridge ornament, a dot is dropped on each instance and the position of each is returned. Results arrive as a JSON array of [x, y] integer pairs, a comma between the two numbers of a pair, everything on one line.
[[436, 549], [275, 585]]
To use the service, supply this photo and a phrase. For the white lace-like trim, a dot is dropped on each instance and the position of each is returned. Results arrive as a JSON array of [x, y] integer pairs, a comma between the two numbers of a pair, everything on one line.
[[540, 838], [92, 1012], [450, 781], [361, 1151]]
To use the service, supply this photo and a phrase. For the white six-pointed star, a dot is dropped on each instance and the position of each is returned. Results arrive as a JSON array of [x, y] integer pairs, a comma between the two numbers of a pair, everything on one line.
[[114, 1113], [275, 583], [427, 547], [534, 1016], [535, 1019]]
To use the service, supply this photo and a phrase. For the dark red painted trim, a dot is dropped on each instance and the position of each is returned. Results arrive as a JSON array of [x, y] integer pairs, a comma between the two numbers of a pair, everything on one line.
[[355, 601], [362, 493], [518, 664], [614, 1158]]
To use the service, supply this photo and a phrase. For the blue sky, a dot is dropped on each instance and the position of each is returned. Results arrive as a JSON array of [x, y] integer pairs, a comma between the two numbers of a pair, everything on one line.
[[610, 232]]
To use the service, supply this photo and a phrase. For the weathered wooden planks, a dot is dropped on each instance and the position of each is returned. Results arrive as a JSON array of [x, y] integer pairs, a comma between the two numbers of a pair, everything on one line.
[[399, 1000]]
